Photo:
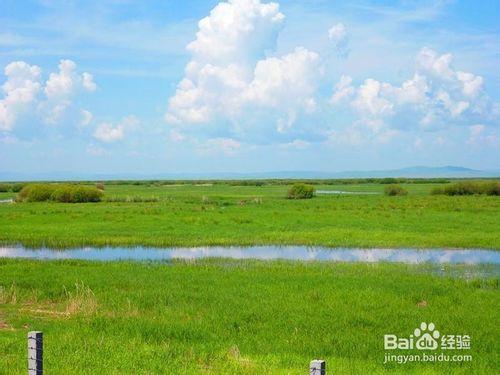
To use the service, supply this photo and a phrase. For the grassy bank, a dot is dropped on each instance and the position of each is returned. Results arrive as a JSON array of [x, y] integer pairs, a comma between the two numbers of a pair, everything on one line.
[[193, 215], [238, 316]]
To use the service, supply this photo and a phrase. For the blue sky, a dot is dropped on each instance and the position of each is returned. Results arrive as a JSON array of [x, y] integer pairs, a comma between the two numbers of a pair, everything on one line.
[[144, 87]]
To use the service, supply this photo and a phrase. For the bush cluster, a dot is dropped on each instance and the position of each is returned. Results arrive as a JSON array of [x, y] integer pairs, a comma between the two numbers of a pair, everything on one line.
[[469, 188], [300, 191], [393, 190], [282, 181], [63, 193], [15, 188]]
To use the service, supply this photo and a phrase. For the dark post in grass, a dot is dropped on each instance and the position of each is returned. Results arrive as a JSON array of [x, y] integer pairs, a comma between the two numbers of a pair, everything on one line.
[[317, 367], [35, 353]]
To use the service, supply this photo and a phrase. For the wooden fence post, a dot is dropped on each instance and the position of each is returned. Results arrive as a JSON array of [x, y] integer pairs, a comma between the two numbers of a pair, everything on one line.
[[317, 367], [35, 353]]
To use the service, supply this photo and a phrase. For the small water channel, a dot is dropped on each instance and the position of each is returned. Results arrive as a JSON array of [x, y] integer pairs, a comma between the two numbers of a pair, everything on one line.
[[341, 192], [300, 253]]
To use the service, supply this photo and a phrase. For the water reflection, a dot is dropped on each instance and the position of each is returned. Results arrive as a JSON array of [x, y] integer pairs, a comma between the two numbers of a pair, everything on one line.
[[302, 253], [346, 192]]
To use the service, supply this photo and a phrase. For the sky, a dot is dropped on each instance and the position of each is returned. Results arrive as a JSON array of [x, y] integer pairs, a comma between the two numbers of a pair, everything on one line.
[[149, 87]]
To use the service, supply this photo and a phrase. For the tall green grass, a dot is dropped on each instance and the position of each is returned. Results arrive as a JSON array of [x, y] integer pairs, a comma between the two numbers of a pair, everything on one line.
[[239, 317], [14, 187], [393, 190], [62, 193], [468, 188]]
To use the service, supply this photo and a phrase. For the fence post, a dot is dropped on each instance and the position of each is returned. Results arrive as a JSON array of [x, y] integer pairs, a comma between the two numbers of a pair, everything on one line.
[[35, 353], [317, 367]]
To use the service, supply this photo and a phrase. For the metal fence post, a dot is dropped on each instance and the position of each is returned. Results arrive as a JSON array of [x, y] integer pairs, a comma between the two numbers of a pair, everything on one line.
[[317, 367], [35, 353]]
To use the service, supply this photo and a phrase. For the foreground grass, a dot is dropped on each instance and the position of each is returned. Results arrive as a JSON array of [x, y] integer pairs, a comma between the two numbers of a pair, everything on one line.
[[237, 316], [230, 215]]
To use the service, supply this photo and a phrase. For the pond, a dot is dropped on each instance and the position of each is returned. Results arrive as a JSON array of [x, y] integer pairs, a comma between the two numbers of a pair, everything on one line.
[[340, 192], [301, 253]]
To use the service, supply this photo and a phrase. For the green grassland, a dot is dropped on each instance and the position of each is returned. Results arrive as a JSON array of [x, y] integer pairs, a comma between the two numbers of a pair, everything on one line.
[[222, 214], [255, 317]]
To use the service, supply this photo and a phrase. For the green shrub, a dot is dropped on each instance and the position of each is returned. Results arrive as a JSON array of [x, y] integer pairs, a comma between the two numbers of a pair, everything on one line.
[[35, 193], [393, 190], [388, 180], [469, 188], [16, 188], [461, 188], [438, 190], [83, 194], [63, 193], [300, 191], [491, 188], [4, 188]]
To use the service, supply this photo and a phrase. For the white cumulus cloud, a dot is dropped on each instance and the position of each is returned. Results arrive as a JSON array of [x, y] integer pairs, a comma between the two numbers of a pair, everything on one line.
[[86, 117], [24, 90], [230, 80], [339, 36], [67, 81], [291, 78], [343, 90], [438, 65], [20, 91], [436, 96], [107, 132], [472, 84], [236, 31], [370, 99], [480, 136], [60, 89]]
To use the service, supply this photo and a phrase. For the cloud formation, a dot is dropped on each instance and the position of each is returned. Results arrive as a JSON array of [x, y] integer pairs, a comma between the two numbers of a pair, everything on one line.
[[24, 91], [60, 89], [235, 87], [436, 97], [339, 36], [230, 80], [86, 117], [108, 133], [20, 91]]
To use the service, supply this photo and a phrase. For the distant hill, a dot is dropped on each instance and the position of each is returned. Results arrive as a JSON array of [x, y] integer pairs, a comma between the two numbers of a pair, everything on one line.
[[417, 172], [422, 171]]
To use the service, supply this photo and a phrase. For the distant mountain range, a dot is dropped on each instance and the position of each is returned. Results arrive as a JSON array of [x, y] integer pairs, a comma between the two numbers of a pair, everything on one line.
[[419, 171]]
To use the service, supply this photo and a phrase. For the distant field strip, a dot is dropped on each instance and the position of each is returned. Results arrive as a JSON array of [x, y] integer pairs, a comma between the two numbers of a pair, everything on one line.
[[209, 215]]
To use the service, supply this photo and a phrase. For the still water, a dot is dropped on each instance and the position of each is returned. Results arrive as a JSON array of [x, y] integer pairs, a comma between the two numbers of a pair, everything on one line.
[[301, 253], [340, 192]]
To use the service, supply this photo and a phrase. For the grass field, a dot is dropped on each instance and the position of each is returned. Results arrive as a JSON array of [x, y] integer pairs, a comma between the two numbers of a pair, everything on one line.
[[221, 316], [191, 215]]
